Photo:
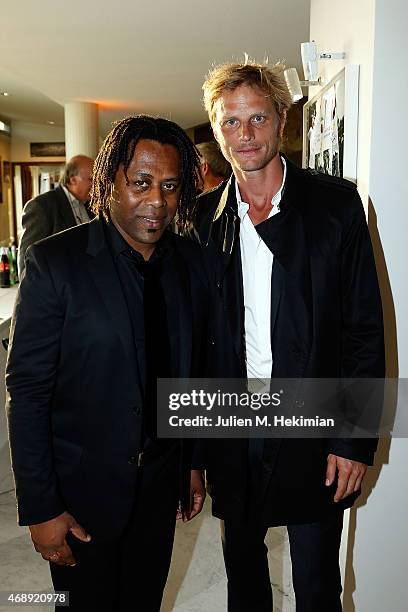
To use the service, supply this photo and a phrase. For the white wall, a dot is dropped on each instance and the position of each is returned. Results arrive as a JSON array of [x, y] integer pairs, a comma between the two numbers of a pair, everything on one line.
[[348, 25], [22, 133], [373, 34], [381, 545], [6, 209]]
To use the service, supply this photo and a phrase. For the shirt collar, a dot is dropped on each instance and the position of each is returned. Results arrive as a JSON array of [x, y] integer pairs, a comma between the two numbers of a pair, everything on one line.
[[70, 196], [119, 245], [243, 207]]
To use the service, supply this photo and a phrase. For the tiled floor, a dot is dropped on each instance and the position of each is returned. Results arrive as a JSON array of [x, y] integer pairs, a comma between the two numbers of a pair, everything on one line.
[[197, 578]]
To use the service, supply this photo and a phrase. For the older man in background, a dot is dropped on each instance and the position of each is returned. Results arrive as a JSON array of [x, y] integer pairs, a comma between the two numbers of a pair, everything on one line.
[[58, 209], [214, 167]]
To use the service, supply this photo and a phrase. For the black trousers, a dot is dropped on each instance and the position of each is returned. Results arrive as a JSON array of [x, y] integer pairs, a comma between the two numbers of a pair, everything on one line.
[[314, 550], [129, 573]]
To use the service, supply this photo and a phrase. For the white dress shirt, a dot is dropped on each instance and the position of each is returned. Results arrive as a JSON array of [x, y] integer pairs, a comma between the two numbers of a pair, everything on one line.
[[79, 210], [257, 262]]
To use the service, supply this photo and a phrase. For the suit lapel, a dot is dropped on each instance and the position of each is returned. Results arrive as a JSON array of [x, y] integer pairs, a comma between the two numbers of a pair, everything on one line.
[[225, 228], [228, 269], [65, 209], [105, 277], [278, 275], [284, 234], [178, 282]]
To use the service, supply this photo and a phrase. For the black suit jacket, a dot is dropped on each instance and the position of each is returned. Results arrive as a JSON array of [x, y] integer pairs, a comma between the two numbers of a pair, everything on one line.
[[44, 216], [326, 322], [74, 378]]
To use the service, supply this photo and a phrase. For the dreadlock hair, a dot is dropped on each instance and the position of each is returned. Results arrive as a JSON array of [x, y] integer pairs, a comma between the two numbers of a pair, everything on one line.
[[118, 148]]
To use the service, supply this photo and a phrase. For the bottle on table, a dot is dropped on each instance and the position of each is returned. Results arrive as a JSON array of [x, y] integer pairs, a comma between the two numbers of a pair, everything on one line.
[[4, 268], [12, 256]]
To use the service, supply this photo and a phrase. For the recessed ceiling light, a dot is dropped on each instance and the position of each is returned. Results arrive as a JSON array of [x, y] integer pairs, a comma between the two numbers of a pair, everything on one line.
[[4, 93]]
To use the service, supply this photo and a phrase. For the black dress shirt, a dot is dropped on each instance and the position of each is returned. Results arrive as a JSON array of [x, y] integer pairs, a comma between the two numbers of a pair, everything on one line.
[[151, 303]]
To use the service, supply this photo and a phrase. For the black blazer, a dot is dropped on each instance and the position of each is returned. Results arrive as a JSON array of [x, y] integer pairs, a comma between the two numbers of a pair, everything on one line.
[[326, 322], [73, 377], [44, 216]]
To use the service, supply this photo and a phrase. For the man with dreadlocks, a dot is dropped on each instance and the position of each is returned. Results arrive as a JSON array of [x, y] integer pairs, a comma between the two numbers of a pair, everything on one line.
[[104, 310]]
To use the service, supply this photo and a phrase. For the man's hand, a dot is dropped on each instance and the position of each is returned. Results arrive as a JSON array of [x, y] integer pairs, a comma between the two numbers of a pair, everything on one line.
[[49, 538], [351, 474], [197, 496]]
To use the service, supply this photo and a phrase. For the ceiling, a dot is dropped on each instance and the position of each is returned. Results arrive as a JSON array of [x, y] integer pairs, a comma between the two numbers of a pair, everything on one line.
[[133, 56]]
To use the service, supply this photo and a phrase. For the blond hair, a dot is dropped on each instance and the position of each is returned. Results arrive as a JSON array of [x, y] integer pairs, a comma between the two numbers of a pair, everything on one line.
[[269, 79]]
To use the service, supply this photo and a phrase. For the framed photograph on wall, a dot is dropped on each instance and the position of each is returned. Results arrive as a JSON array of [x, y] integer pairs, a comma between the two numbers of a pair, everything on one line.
[[330, 126], [47, 149]]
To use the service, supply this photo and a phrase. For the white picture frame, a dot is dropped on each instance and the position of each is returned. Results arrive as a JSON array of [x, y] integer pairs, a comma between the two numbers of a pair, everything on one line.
[[330, 126]]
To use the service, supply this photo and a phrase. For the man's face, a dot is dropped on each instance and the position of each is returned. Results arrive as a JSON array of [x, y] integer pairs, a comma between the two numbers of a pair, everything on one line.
[[80, 185], [247, 128], [142, 209]]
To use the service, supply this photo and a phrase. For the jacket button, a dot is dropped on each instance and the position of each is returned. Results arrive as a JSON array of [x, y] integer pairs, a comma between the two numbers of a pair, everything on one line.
[[212, 342], [132, 460], [136, 410]]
